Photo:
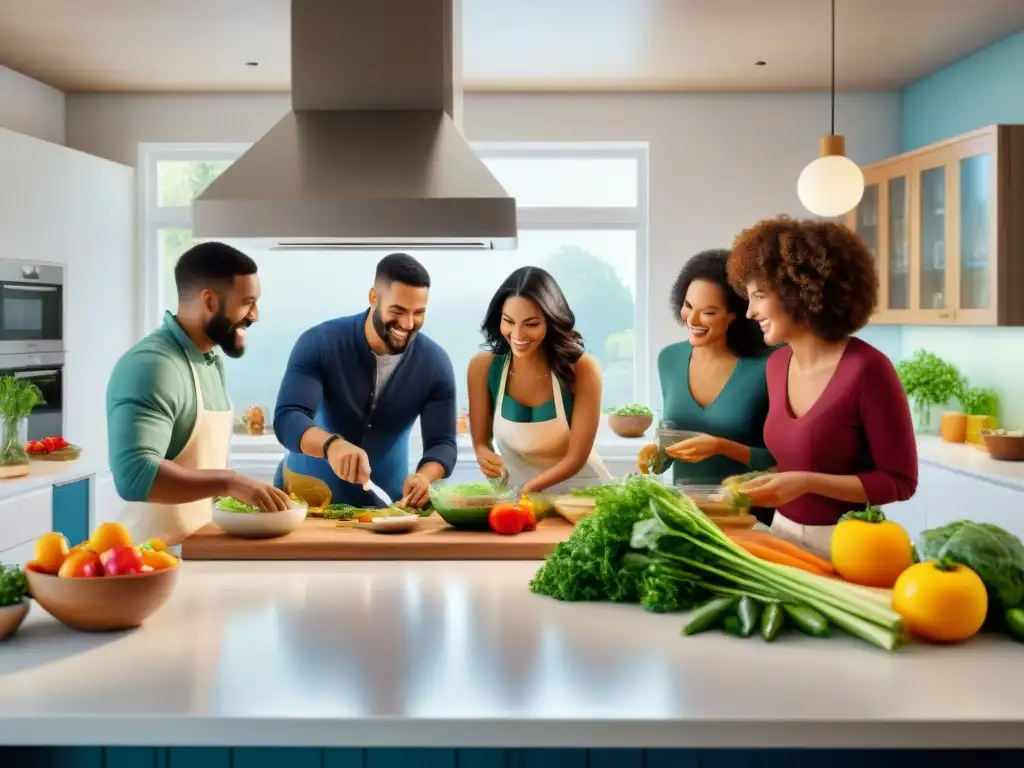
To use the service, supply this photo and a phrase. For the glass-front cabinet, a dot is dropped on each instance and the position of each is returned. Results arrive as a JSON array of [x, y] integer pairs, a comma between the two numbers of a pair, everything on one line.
[[946, 225]]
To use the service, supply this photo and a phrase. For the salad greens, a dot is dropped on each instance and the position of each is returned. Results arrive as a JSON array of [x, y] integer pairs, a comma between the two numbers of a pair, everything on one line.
[[13, 586], [635, 409], [230, 504]]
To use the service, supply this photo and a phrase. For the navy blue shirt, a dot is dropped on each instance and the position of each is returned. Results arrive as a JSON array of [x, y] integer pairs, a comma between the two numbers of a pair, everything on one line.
[[329, 383]]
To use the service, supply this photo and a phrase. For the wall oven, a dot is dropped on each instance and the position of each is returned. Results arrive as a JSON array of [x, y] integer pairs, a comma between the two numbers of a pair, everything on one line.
[[46, 371], [31, 307]]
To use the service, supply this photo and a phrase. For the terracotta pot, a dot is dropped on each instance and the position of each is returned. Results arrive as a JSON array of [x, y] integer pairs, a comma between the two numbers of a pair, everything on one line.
[[629, 426], [954, 427], [975, 424]]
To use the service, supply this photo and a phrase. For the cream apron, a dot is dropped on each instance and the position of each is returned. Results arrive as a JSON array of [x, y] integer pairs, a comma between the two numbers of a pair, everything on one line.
[[529, 449], [207, 448], [816, 539]]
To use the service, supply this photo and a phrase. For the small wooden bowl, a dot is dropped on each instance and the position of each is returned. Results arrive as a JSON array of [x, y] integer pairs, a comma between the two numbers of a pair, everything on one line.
[[11, 617], [104, 603], [1004, 447], [629, 426]]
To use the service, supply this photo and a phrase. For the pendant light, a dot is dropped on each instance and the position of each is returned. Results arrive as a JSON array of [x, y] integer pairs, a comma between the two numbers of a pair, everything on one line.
[[833, 184]]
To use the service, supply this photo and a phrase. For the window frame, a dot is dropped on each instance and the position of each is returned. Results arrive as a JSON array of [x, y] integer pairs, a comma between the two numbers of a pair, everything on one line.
[[154, 217]]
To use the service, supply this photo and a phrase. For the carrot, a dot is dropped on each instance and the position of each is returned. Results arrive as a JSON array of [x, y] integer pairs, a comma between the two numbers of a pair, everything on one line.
[[775, 556], [766, 539]]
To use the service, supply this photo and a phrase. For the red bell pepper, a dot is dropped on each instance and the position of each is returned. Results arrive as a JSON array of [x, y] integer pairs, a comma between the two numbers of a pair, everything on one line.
[[121, 561], [510, 519]]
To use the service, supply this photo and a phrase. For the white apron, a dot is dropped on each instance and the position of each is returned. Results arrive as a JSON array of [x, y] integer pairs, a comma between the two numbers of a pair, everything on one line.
[[207, 448], [529, 449]]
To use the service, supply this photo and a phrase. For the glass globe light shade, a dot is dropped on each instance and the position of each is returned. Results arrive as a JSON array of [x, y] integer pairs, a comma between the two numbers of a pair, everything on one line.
[[831, 186]]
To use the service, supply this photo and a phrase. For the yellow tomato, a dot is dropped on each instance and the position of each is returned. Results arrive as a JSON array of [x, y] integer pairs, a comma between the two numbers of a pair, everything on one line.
[[109, 535], [871, 550], [158, 560], [157, 544], [51, 551], [941, 603]]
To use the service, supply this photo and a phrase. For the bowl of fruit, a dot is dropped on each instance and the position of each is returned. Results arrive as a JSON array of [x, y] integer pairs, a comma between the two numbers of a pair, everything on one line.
[[52, 449], [104, 584]]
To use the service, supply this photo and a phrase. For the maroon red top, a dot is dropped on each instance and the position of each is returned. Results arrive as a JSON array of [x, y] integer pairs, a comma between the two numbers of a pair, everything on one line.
[[860, 425]]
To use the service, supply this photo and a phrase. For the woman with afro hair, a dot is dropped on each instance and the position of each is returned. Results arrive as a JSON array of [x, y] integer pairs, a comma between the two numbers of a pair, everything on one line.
[[713, 383], [838, 423]]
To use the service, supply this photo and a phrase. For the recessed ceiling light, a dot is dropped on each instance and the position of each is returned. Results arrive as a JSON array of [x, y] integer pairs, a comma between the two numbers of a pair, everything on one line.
[[760, 63], [252, 63]]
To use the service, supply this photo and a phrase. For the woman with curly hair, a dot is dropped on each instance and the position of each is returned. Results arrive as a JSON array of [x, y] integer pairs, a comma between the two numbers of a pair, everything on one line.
[[534, 391], [714, 382], [838, 424]]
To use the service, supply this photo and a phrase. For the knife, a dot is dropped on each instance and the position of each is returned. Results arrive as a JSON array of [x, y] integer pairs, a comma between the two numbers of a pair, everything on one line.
[[370, 487]]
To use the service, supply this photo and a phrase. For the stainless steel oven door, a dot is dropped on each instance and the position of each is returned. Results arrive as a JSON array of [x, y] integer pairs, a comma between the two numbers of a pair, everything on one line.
[[31, 307], [46, 371]]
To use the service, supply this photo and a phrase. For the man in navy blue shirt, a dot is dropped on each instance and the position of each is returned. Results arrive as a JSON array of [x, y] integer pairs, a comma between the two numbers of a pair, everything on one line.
[[354, 387]]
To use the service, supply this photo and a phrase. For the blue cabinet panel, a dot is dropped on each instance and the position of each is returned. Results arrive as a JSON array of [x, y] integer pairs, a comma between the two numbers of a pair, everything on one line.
[[71, 510]]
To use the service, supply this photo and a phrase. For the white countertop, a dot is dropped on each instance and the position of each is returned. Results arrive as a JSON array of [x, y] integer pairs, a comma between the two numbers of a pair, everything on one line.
[[462, 654], [970, 460], [43, 474]]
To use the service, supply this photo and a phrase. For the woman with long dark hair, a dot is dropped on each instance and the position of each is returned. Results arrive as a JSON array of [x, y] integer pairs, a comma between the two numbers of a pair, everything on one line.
[[714, 382], [534, 392]]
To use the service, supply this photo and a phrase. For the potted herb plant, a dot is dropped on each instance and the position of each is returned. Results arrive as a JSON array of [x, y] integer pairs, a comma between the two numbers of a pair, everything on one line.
[[928, 380], [13, 599], [17, 399], [982, 408], [630, 420]]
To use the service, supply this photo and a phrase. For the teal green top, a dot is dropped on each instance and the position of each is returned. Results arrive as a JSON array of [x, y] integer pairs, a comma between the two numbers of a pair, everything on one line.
[[517, 412], [151, 404], [737, 414]]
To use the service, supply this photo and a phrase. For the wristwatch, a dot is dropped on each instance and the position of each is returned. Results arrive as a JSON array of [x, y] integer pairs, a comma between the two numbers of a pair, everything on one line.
[[328, 441]]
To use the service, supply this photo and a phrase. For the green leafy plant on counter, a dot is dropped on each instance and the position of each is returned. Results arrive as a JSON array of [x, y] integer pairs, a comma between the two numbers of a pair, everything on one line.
[[13, 586], [979, 401], [635, 409], [929, 380], [17, 399]]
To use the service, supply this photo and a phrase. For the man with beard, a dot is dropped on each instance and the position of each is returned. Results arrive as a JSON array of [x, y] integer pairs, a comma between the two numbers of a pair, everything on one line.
[[169, 421], [354, 387]]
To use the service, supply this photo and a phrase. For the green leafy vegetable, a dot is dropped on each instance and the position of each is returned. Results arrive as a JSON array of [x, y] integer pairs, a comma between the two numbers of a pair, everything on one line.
[[230, 504], [597, 563], [17, 399], [870, 514], [996, 555], [635, 409], [13, 586]]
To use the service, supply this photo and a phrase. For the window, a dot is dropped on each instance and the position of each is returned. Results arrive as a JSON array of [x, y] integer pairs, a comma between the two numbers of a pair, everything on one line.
[[582, 217]]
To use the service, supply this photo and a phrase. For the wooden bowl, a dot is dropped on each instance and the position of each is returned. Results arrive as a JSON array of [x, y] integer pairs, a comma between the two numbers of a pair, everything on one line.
[[629, 426], [11, 617], [1004, 447], [104, 603]]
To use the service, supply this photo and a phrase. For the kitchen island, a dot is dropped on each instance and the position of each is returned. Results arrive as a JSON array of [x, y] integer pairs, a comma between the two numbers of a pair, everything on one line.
[[347, 658]]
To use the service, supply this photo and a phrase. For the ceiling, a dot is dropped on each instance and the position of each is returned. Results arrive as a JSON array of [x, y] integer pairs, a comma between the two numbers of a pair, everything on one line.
[[516, 45]]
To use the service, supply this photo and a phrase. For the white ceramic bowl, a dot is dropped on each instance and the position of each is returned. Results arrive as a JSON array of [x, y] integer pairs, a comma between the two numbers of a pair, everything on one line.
[[395, 524], [259, 525]]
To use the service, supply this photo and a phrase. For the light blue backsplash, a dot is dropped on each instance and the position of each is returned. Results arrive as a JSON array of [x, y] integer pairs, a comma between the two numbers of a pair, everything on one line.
[[982, 89]]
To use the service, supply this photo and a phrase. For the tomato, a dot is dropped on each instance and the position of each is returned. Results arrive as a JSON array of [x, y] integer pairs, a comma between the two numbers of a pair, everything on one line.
[[83, 564], [60, 442], [48, 445], [510, 519], [51, 550], [33, 446], [867, 549], [941, 602], [158, 561], [121, 561], [108, 536], [33, 566]]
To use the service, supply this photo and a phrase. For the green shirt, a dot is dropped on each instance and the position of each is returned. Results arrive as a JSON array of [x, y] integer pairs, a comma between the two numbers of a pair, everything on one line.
[[151, 404], [737, 414], [517, 412]]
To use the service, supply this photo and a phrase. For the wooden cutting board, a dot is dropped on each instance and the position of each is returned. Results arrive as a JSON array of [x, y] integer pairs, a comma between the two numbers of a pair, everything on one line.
[[432, 539]]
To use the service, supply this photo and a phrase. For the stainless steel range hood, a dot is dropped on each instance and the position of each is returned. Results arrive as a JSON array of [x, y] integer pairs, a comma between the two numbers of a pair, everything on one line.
[[371, 155]]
